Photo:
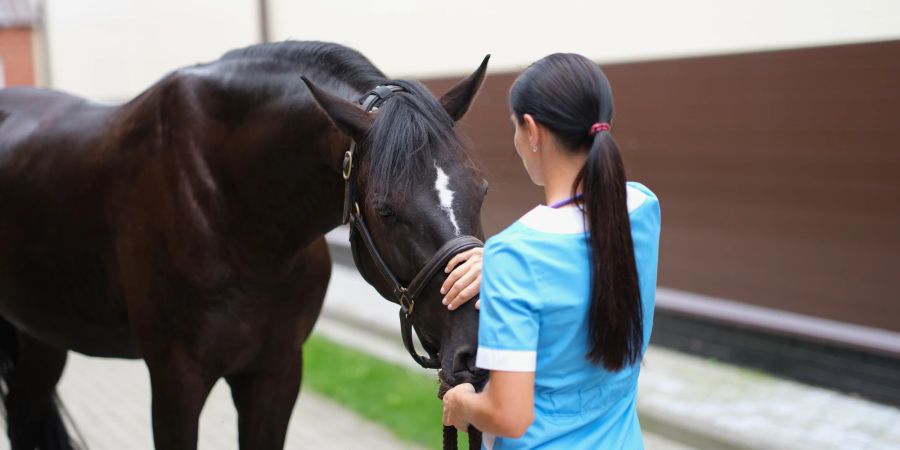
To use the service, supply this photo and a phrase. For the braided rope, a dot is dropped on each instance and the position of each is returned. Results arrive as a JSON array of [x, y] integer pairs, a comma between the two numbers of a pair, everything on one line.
[[451, 441], [474, 438]]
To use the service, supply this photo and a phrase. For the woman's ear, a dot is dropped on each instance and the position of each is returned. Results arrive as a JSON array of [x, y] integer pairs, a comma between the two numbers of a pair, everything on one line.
[[533, 131]]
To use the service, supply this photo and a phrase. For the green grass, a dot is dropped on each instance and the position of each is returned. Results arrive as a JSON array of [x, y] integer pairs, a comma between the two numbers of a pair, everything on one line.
[[403, 401]]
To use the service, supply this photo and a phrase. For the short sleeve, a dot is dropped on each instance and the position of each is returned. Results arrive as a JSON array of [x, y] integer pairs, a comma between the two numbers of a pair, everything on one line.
[[509, 317]]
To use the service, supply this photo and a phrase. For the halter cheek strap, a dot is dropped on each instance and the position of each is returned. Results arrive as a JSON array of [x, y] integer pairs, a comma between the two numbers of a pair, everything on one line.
[[369, 101]]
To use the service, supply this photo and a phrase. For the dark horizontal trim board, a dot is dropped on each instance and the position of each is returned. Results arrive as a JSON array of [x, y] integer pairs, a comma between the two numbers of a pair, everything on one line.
[[843, 369], [729, 312], [685, 325]]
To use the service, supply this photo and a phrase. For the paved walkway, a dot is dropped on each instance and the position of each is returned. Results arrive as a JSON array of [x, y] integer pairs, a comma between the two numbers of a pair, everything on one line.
[[717, 405], [110, 402]]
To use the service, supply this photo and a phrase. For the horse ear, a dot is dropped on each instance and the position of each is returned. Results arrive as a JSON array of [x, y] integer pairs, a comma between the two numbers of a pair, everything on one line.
[[348, 117], [457, 100]]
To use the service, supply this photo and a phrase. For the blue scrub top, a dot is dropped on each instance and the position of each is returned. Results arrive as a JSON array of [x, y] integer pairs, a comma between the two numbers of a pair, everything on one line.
[[535, 297]]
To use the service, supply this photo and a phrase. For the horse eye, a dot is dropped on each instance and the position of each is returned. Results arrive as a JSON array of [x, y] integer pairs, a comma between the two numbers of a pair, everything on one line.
[[384, 211]]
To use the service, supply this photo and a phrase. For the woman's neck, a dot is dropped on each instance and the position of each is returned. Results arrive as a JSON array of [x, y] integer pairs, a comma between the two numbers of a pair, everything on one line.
[[561, 167]]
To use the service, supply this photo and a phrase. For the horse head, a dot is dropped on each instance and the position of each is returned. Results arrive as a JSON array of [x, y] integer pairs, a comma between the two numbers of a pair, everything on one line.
[[414, 197]]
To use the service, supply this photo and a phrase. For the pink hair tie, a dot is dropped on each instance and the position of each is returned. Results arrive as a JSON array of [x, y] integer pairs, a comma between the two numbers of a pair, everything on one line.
[[598, 127]]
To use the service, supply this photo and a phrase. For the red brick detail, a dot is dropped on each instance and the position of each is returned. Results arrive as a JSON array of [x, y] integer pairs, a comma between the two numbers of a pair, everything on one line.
[[18, 56]]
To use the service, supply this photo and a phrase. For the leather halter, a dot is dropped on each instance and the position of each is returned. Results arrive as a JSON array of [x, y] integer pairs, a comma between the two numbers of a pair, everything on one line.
[[405, 296]]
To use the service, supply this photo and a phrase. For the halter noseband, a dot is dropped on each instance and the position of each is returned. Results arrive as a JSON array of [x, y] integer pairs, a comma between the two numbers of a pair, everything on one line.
[[405, 296]]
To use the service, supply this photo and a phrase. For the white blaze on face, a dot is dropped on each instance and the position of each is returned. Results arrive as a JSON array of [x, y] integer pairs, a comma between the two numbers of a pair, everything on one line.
[[445, 195]]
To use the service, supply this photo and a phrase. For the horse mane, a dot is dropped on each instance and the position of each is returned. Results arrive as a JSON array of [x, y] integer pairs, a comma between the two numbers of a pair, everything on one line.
[[410, 128], [410, 131], [345, 63]]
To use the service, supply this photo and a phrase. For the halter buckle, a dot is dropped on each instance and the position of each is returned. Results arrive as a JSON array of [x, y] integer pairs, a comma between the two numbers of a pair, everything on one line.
[[406, 304], [348, 164]]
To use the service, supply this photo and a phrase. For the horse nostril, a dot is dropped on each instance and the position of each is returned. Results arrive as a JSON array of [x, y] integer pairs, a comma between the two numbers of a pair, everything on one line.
[[464, 361]]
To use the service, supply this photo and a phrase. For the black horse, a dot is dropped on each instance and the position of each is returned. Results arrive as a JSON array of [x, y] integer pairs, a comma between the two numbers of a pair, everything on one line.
[[186, 226]]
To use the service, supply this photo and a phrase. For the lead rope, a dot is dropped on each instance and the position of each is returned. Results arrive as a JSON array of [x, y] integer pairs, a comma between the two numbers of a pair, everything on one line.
[[451, 441], [474, 438]]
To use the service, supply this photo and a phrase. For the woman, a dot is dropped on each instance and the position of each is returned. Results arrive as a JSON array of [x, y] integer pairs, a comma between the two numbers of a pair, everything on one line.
[[568, 290]]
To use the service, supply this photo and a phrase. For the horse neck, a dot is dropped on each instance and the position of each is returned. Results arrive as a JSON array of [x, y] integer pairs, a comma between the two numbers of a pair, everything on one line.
[[287, 191], [307, 151], [275, 154]]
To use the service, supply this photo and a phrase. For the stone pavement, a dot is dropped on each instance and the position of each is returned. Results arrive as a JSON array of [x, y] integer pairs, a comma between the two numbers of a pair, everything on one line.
[[717, 405], [109, 400]]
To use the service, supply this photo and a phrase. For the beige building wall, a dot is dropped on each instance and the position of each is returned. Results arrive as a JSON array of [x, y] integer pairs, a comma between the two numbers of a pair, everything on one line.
[[428, 38], [110, 50]]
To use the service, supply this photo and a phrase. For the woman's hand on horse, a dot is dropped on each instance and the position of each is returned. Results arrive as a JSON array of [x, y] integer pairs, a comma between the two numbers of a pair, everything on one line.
[[454, 406], [464, 281]]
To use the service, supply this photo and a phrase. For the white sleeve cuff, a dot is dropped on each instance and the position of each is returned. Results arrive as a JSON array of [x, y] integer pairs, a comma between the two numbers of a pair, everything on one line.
[[509, 360]]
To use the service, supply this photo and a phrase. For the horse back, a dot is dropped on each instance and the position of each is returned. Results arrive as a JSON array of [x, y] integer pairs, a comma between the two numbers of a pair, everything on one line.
[[55, 252], [87, 192], [53, 160], [109, 212]]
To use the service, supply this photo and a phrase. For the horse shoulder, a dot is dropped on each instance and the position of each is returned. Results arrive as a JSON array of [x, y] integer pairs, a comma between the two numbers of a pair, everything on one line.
[[173, 199]]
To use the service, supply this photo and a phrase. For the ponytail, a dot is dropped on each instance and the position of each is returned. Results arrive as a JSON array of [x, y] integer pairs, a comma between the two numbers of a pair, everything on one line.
[[615, 317], [568, 93]]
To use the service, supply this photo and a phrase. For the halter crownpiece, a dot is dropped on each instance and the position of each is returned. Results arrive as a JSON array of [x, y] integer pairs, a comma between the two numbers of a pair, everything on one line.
[[380, 93], [598, 127]]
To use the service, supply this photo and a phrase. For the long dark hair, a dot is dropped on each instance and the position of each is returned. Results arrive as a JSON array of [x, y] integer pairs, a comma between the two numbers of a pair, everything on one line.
[[568, 94]]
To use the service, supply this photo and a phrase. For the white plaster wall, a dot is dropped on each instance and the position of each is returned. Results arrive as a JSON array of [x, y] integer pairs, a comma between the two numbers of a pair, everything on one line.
[[111, 50], [422, 38]]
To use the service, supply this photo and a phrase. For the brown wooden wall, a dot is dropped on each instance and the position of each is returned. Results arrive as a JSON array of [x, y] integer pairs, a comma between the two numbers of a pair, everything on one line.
[[778, 173]]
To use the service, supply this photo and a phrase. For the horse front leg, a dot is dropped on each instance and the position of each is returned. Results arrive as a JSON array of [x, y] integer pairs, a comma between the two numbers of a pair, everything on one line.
[[33, 417], [264, 399], [179, 392]]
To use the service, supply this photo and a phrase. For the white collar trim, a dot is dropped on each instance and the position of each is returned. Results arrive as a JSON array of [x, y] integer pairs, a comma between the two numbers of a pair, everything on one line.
[[569, 219]]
